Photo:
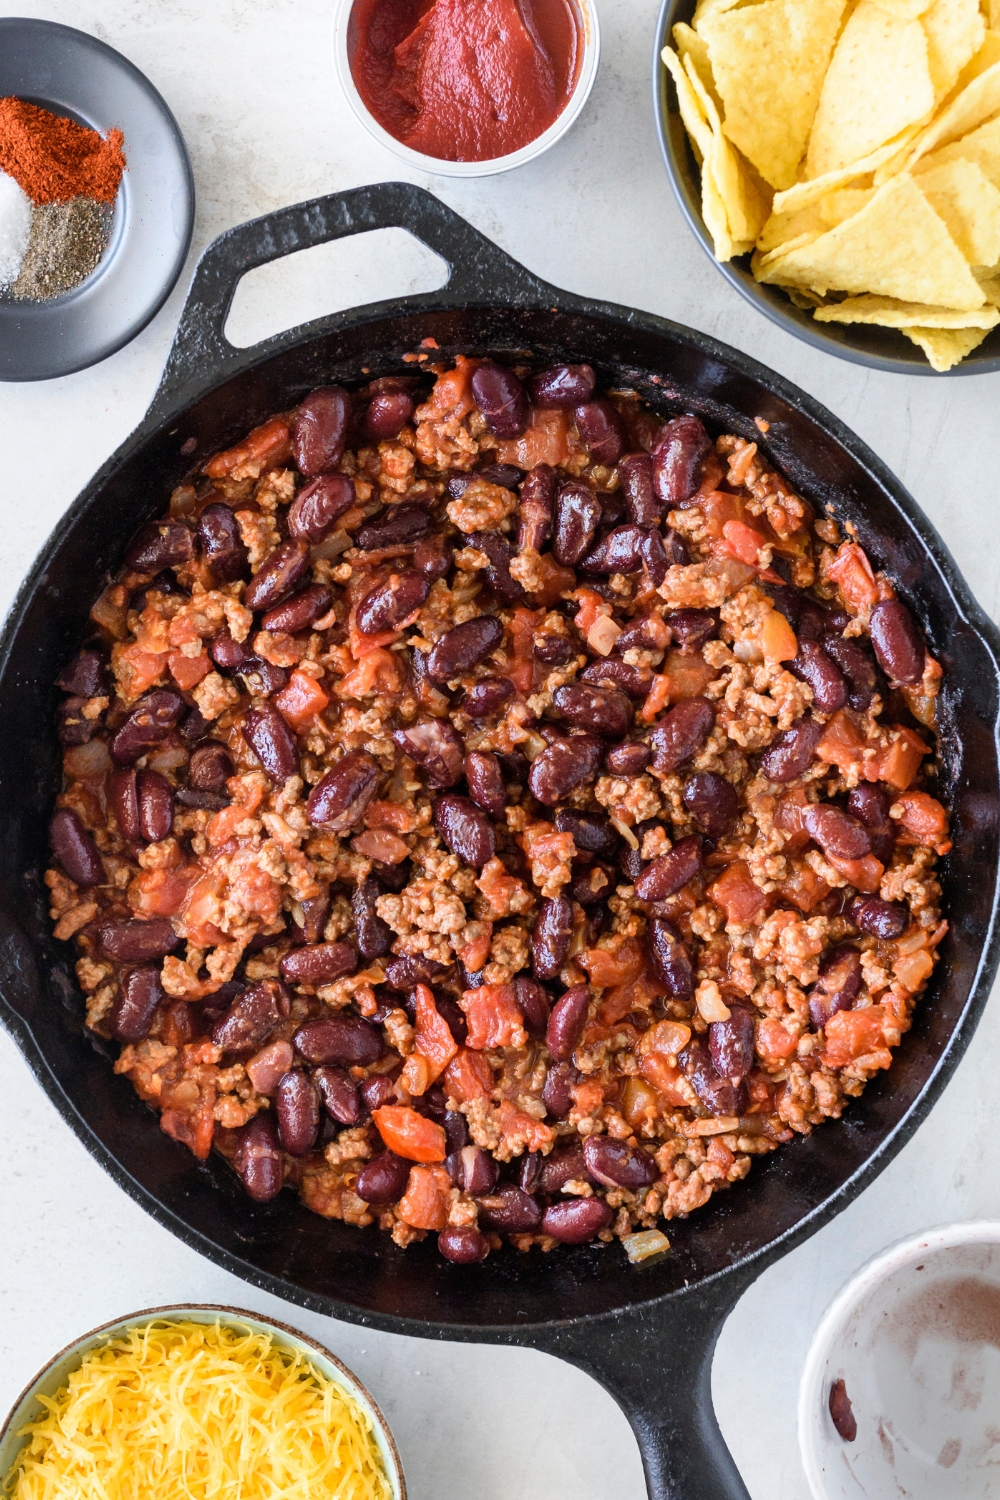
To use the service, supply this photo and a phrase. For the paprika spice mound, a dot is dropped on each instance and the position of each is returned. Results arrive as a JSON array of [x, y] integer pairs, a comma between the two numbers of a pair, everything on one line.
[[55, 159]]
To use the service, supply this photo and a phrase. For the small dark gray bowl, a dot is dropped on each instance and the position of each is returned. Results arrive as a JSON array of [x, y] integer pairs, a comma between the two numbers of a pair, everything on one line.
[[878, 348], [73, 74]]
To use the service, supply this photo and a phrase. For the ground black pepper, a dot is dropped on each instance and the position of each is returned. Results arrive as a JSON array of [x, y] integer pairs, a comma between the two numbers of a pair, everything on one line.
[[67, 242]]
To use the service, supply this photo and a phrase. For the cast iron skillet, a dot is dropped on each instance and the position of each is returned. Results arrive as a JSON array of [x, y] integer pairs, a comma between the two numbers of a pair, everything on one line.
[[646, 1332]]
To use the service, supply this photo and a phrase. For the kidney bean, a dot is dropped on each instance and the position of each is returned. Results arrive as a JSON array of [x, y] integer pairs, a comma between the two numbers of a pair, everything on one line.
[[192, 726], [227, 653], [150, 721], [210, 768], [388, 604], [456, 1132], [671, 959], [436, 748], [75, 849], [267, 1067], [464, 829], [557, 1095], [838, 834], [857, 666], [592, 883], [86, 676], [881, 919], [720, 1096], [463, 1245], [393, 527], [538, 494], [318, 963], [615, 1164], [222, 544], [790, 755], [473, 1170], [124, 800], [253, 1015], [628, 759], [300, 611], [339, 800], [269, 737], [568, 1022], [315, 911], [712, 801], [376, 1091], [386, 415], [562, 766], [533, 1003], [156, 806], [159, 544], [71, 725], [163, 583], [577, 516], [488, 696], [374, 936], [838, 985], [463, 647], [297, 1109], [510, 1211], [258, 1160], [340, 1095], [316, 509], [498, 574], [485, 778], [346, 1040], [602, 429], [870, 803], [576, 1220], [817, 669], [591, 832], [731, 1043], [665, 876], [261, 678], [561, 387], [383, 1179], [567, 1164], [433, 556], [550, 936], [681, 733], [612, 672], [691, 628], [136, 942], [501, 399], [635, 475], [899, 646], [842, 1413], [139, 993], [678, 455], [601, 710], [277, 575], [319, 430], [621, 550], [404, 973]]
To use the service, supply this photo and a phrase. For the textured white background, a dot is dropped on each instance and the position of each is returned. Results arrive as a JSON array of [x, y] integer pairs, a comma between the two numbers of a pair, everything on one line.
[[252, 85]]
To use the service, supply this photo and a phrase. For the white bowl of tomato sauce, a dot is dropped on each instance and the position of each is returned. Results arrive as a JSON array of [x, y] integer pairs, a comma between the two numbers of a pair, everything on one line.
[[467, 88]]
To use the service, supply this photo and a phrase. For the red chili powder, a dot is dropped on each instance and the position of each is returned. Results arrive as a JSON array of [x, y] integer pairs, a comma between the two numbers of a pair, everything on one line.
[[54, 159]]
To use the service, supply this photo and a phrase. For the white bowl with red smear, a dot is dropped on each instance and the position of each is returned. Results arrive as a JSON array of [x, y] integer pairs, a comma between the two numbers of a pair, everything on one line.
[[900, 1394]]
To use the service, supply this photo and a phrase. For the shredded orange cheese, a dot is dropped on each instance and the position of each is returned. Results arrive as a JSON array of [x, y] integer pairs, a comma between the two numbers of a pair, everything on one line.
[[191, 1411]]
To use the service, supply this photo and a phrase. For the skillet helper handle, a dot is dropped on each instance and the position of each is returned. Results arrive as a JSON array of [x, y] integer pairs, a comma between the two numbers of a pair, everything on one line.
[[480, 271], [656, 1360]]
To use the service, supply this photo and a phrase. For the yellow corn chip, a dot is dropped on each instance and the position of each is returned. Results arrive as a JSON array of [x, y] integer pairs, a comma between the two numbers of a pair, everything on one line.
[[705, 9], [906, 10], [690, 45], [781, 229], [803, 297], [887, 312], [970, 107], [746, 207], [981, 146], [877, 84], [990, 283], [763, 259], [843, 204], [768, 62], [897, 246], [695, 122], [955, 30], [988, 54], [818, 187], [946, 347], [969, 204], [992, 9], [713, 210]]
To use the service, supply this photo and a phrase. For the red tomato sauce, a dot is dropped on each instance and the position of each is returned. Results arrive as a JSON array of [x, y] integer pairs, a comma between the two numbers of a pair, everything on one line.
[[465, 80]]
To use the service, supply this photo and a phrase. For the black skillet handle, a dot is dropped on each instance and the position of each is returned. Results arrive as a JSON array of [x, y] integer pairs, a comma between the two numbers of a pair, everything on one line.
[[480, 270], [656, 1360]]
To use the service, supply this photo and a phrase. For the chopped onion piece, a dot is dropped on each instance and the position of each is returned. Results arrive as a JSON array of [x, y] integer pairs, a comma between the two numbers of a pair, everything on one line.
[[641, 1246]]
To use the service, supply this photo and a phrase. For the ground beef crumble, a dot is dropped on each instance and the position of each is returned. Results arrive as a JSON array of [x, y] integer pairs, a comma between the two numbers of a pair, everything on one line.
[[497, 817]]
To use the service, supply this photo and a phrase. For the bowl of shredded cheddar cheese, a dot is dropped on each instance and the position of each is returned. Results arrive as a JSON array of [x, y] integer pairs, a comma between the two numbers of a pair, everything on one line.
[[210, 1403]]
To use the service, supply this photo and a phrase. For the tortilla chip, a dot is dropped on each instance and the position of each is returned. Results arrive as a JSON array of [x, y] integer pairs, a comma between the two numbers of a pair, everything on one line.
[[857, 172], [897, 246], [690, 45], [946, 347], [968, 108], [992, 9], [705, 9], [768, 61], [955, 30], [713, 209], [990, 282], [981, 146], [969, 204], [781, 229], [905, 10], [877, 84], [887, 312], [801, 296], [694, 120], [747, 209]]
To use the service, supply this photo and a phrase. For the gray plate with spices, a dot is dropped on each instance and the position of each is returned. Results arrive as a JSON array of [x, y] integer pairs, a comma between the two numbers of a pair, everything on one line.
[[78, 77]]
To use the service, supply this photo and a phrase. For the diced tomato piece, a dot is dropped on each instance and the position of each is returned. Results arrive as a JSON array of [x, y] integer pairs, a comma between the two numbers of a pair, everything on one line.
[[588, 1095], [657, 698], [468, 1076], [222, 825], [553, 581], [853, 1033], [802, 886], [160, 893], [852, 573], [924, 819], [900, 761], [493, 1017], [638, 995], [376, 672], [718, 508], [865, 873], [591, 607], [177, 1029], [518, 1123], [842, 744], [606, 970], [301, 700], [409, 1134], [667, 1079], [911, 969], [378, 843], [735, 892], [390, 815], [777, 638], [263, 448], [187, 671], [742, 542], [523, 624], [425, 1203], [544, 441], [193, 1128], [433, 1040], [137, 669], [773, 1041], [475, 953], [761, 1091], [452, 393]]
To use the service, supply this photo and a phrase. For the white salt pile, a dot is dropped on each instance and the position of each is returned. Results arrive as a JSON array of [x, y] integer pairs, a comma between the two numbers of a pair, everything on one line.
[[15, 228]]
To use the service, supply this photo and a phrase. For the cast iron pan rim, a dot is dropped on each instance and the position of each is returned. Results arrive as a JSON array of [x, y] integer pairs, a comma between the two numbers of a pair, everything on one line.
[[808, 330], [162, 421]]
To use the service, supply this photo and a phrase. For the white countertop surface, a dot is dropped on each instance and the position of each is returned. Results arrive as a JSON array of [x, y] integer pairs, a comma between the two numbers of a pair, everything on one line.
[[252, 85]]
